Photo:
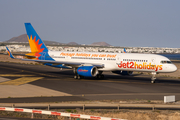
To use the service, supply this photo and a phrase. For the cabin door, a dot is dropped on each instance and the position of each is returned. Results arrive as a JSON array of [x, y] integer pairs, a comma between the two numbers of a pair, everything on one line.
[[118, 60], [153, 61]]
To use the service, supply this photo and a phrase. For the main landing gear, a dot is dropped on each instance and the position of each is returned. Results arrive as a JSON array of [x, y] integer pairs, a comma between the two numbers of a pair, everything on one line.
[[78, 76], [100, 75], [153, 77]]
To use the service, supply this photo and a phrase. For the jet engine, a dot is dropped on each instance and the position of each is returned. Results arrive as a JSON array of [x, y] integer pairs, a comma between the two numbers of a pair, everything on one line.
[[87, 71]]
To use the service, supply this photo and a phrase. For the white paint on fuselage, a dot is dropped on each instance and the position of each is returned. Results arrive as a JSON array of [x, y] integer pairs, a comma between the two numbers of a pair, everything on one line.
[[126, 61]]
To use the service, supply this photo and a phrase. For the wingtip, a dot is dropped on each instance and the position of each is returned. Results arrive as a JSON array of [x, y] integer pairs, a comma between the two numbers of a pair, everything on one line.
[[27, 24], [9, 53]]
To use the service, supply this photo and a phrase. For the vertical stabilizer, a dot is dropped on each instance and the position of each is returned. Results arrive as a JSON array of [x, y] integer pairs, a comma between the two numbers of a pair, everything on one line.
[[35, 42]]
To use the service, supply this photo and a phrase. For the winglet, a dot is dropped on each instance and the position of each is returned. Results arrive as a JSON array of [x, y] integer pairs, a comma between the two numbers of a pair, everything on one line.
[[125, 50], [10, 54]]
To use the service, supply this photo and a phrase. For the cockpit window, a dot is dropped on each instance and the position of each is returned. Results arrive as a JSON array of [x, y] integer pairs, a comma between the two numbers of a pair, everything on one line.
[[166, 62]]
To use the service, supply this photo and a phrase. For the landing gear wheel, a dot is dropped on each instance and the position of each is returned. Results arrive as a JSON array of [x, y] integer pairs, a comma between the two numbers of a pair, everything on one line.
[[78, 77], [99, 76], [152, 81], [75, 77]]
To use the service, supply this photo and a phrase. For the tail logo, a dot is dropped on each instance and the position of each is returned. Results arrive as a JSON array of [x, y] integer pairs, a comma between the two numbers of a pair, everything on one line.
[[34, 44]]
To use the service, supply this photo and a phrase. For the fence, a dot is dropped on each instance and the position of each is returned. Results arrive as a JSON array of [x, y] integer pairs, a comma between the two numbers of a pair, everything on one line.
[[70, 115]]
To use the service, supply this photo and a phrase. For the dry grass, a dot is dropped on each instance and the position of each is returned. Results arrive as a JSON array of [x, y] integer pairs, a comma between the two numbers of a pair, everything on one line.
[[122, 114]]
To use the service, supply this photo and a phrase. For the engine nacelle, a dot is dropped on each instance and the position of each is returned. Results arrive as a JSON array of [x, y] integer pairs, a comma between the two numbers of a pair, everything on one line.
[[87, 71], [123, 72]]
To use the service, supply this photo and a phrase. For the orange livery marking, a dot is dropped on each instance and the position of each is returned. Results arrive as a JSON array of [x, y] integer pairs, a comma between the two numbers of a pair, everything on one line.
[[8, 52], [88, 55]]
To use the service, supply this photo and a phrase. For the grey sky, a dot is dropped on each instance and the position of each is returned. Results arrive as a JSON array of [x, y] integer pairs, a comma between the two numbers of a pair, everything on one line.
[[129, 23]]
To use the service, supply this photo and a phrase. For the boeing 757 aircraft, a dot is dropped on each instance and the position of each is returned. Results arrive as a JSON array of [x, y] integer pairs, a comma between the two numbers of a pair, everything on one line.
[[92, 64]]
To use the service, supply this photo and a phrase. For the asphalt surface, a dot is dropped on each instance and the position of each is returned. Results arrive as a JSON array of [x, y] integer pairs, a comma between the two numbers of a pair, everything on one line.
[[112, 87]]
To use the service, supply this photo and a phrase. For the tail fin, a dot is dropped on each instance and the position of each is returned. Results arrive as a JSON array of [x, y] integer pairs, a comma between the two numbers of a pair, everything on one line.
[[125, 50], [10, 54], [35, 42]]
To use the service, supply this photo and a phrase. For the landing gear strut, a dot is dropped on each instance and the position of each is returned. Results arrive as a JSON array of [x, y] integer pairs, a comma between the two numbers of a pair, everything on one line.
[[76, 76], [153, 77]]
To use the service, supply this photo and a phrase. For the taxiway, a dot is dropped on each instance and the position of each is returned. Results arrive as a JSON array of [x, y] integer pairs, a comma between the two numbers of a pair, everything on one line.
[[36, 83]]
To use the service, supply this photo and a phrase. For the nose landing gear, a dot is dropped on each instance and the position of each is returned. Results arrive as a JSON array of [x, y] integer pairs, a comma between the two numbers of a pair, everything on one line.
[[153, 77]]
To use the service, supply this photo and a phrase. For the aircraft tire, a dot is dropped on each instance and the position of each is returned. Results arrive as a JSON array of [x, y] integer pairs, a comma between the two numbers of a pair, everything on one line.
[[78, 77], [152, 81]]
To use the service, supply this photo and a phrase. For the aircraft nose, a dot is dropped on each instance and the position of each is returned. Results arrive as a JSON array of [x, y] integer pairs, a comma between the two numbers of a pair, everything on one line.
[[173, 68]]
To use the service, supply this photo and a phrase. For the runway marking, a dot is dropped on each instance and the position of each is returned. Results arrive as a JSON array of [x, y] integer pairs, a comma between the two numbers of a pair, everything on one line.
[[2, 79], [30, 72], [13, 75], [21, 81]]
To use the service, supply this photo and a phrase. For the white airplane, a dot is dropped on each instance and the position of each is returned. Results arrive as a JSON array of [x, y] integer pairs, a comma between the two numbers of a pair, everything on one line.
[[92, 64]]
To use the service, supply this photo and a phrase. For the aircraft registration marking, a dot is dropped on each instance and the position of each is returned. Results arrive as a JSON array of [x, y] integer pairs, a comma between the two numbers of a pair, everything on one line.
[[21, 81]]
